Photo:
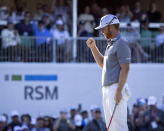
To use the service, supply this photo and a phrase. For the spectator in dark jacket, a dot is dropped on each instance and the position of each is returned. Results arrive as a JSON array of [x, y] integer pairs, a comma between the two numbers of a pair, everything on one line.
[[2, 123], [140, 122], [138, 14], [40, 125], [14, 120], [97, 124], [153, 14], [155, 116], [25, 27]]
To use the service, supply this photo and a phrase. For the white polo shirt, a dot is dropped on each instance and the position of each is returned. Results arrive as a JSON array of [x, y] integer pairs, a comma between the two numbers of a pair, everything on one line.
[[60, 36]]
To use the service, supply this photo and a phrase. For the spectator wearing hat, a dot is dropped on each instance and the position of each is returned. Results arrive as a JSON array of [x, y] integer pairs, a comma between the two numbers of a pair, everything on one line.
[[140, 122], [47, 20], [82, 32], [60, 33], [43, 43], [2, 123], [92, 108], [42, 34], [63, 123], [6, 118], [97, 124], [14, 120], [155, 116], [40, 125], [59, 17], [63, 46]]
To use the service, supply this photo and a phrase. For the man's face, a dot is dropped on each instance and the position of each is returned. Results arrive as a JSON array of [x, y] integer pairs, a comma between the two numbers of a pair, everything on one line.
[[142, 107], [46, 121], [135, 109], [40, 123], [84, 115], [46, 19], [10, 26], [60, 27], [15, 119], [27, 17], [107, 31], [97, 115], [26, 120], [93, 113], [63, 115], [73, 112]]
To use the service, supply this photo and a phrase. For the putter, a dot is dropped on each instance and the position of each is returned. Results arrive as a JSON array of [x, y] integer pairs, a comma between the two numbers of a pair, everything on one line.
[[112, 117]]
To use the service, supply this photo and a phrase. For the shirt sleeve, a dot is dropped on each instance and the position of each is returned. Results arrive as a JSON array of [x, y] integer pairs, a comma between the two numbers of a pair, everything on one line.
[[123, 53]]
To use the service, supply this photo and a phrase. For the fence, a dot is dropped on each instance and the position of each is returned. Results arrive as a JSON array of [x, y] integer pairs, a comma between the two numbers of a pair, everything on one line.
[[34, 49]]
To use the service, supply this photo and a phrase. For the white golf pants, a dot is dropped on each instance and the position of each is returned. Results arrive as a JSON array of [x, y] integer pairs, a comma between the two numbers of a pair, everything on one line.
[[119, 121]]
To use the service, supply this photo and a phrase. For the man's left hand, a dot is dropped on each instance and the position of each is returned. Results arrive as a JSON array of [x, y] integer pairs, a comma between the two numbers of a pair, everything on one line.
[[118, 96]]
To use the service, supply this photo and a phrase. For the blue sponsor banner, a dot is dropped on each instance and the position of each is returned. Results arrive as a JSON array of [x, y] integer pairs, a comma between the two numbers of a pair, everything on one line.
[[41, 78]]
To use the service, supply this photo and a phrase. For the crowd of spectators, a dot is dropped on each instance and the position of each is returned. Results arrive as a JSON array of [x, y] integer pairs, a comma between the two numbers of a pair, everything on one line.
[[76, 120], [46, 24], [145, 116]]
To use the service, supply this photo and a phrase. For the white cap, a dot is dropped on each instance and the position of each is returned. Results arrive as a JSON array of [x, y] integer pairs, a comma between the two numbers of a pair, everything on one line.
[[152, 100], [59, 22], [33, 121], [14, 113], [17, 128], [78, 120], [107, 20], [2, 118], [93, 107]]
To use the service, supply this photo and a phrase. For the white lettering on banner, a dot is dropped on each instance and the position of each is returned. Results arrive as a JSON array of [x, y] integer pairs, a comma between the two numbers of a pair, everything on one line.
[[40, 93]]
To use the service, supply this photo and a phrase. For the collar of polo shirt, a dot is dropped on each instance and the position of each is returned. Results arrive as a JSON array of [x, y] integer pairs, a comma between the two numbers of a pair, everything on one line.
[[114, 39]]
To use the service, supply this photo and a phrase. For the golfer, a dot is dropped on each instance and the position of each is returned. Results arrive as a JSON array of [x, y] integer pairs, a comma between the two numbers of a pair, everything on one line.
[[115, 68]]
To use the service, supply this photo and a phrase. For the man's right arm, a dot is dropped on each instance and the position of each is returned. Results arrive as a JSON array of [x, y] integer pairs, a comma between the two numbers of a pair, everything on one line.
[[95, 51]]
